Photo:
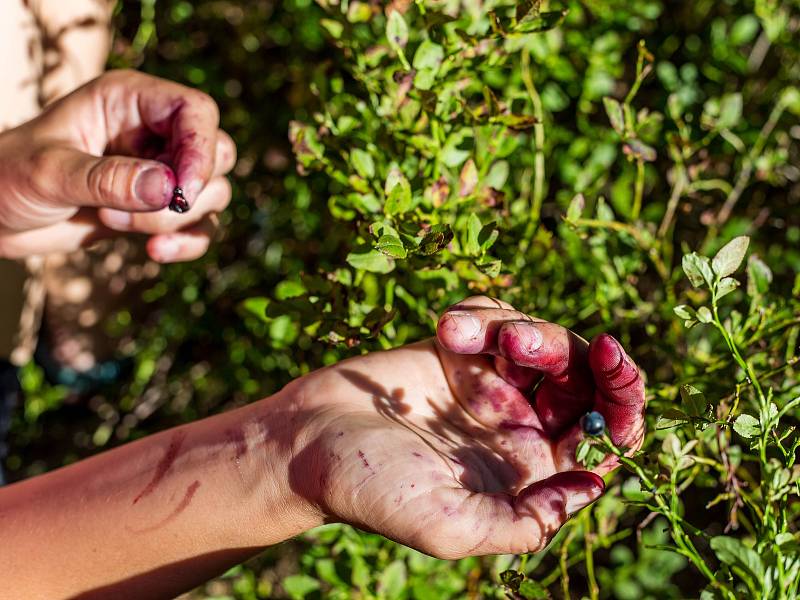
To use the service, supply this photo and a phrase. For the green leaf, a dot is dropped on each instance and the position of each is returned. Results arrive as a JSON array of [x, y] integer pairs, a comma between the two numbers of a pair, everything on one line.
[[392, 582], [533, 590], [471, 246], [429, 55], [704, 315], [360, 571], [759, 276], [671, 418], [527, 8], [790, 98], [490, 266], [435, 239], [685, 312], [744, 30], [326, 570], [289, 289], [334, 28], [283, 331], [468, 179], [697, 269], [693, 399], [372, 261], [639, 150], [726, 286], [615, 115], [733, 552], [575, 209], [305, 143], [544, 22], [397, 35], [588, 454], [399, 198], [747, 426], [488, 236], [516, 122], [512, 579], [730, 111], [730, 256], [362, 162], [391, 245], [299, 586], [257, 306]]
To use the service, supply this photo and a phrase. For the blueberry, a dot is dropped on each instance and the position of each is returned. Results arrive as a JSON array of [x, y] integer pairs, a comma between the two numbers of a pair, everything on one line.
[[178, 204], [593, 423]]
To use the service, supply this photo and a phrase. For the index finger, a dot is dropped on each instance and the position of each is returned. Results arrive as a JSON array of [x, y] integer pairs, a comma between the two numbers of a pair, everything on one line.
[[191, 133], [620, 395], [187, 119]]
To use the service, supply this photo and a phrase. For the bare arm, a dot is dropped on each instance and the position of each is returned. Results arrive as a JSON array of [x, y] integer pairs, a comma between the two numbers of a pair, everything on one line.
[[156, 517], [433, 445]]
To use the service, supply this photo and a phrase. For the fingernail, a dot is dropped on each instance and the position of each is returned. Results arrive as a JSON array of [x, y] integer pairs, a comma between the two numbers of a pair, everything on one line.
[[528, 336], [168, 249], [467, 325], [152, 187], [579, 499], [117, 219], [191, 187]]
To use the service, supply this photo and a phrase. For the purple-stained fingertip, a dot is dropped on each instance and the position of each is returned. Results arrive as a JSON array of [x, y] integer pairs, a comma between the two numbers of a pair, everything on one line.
[[606, 353], [520, 343], [460, 332]]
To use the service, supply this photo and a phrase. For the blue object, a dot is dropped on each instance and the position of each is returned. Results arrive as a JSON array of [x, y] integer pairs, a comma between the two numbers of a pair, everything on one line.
[[593, 423]]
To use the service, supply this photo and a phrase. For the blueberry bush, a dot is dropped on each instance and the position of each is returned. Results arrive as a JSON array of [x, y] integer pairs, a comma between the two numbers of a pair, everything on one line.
[[625, 166]]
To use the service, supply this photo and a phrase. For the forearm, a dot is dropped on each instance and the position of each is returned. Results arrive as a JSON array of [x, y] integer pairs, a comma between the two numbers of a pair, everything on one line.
[[158, 516]]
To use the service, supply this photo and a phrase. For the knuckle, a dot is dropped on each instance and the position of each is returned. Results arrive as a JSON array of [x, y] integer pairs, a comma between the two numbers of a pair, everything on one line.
[[103, 180], [40, 169], [206, 104]]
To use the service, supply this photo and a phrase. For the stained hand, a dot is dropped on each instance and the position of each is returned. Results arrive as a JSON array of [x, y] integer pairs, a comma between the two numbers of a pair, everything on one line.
[[105, 159], [465, 445]]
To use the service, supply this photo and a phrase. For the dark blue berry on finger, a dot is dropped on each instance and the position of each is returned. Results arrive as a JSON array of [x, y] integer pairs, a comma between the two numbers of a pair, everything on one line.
[[593, 423]]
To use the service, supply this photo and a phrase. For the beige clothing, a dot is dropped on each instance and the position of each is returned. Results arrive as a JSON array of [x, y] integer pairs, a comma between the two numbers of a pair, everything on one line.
[[47, 49]]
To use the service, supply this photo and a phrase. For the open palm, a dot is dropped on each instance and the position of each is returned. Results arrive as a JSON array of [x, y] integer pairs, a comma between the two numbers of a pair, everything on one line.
[[465, 445]]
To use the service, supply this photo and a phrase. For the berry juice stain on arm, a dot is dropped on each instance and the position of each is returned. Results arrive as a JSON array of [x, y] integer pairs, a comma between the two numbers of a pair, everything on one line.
[[163, 465], [178, 204]]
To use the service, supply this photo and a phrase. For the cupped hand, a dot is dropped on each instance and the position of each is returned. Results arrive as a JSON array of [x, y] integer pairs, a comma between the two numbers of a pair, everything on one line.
[[465, 445], [105, 159]]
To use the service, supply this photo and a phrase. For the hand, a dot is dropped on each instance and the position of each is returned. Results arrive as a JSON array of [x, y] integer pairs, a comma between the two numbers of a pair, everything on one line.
[[446, 447], [105, 159]]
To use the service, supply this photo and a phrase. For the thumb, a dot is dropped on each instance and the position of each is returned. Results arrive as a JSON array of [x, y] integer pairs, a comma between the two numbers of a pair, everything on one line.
[[73, 178]]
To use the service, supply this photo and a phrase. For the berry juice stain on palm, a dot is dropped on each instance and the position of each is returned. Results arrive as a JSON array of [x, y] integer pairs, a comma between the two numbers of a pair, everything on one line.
[[178, 204]]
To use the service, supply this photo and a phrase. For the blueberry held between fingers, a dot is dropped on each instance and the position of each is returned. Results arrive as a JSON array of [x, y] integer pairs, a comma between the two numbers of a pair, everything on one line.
[[178, 203], [593, 423]]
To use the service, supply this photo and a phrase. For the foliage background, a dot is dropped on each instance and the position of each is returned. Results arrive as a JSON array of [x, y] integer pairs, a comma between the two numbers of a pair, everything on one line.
[[240, 323]]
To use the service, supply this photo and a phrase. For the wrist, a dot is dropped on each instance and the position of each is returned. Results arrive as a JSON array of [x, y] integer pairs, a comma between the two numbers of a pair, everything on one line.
[[266, 444]]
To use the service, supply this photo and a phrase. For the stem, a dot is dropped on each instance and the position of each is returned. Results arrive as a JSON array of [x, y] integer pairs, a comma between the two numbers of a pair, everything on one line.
[[638, 190], [747, 168], [680, 537], [632, 231], [594, 589], [674, 198], [562, 563], [538, 163]]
